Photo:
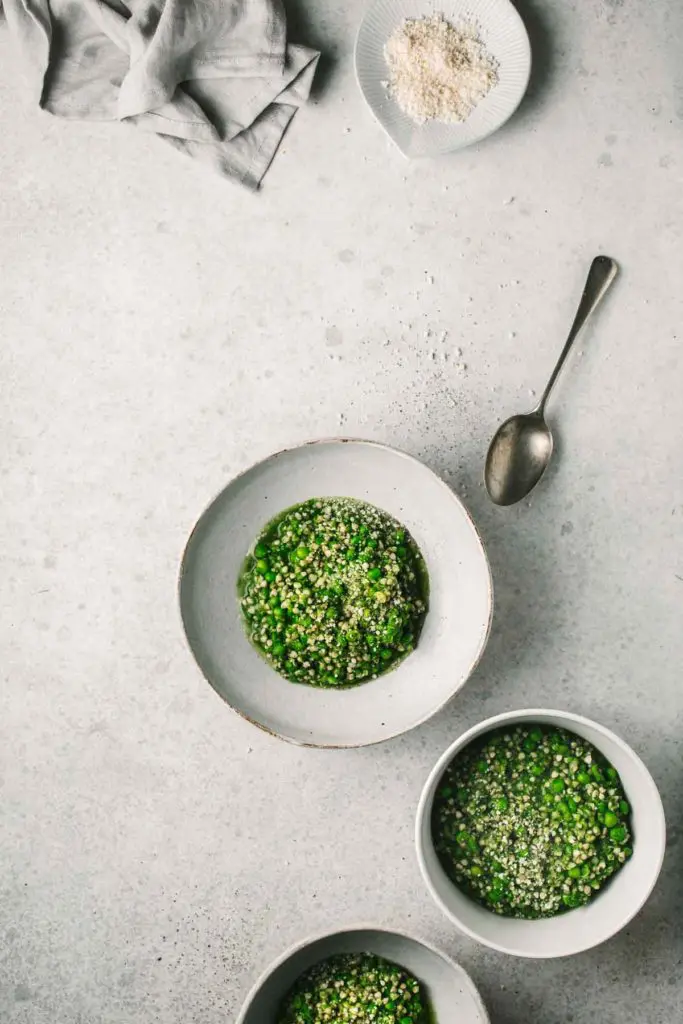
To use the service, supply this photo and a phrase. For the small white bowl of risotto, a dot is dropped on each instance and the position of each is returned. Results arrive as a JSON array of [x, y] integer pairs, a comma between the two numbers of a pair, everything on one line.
[[442, 76], [540, 833], [364, 967]]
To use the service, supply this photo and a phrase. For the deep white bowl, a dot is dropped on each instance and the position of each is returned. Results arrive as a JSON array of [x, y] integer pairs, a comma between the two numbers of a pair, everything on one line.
[[452, 993], [612, 908], [460, 601]]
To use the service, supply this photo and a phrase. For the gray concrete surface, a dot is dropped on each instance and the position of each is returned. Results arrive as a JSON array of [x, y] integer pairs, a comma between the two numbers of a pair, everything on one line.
[[162, 330]]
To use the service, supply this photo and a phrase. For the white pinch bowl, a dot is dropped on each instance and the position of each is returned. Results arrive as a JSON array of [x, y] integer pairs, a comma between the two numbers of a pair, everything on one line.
[[460, 601], [451, 993], [505, 37], [612, 908]]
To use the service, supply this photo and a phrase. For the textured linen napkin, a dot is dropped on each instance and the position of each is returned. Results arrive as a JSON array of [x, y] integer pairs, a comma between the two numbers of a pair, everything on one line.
[[215, 78]]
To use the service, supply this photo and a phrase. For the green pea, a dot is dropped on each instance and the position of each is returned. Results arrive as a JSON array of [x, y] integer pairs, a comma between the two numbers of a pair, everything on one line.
[[302, 552], [475, 870], [618, 834], [262, 566], [374, 574], [385, 654], [557, 785], [624, 807], [270, 576], [278, 650], [536, 735], [584, 778], [260, 550], [502, 803], [446, 792], [610, 819], [572, 804], [575, 872], [482, 767]]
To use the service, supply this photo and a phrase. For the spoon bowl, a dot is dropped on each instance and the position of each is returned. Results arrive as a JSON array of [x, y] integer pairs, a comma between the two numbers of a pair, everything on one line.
[[517, 459]]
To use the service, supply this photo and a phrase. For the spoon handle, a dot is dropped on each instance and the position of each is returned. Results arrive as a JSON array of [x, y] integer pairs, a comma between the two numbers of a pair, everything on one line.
[[600, 276]]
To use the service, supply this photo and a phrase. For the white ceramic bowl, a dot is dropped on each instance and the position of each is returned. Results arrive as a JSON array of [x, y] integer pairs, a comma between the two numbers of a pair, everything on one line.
[[612, 908], [451, 992], [460, 601], [501, 30]]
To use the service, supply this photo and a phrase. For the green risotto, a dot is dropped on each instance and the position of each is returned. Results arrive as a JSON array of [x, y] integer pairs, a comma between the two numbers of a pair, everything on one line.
[[531, 821], [355, 987], [334, 592]]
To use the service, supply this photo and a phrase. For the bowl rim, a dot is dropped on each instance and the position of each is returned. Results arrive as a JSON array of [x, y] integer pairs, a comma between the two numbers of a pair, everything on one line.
[[487, 725], [485, 636], [524, 34], [360, 927]]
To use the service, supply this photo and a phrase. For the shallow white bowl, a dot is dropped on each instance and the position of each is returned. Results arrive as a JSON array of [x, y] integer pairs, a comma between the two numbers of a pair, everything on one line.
[[452, 993], [612, 908], [501, 30], [460, 602]]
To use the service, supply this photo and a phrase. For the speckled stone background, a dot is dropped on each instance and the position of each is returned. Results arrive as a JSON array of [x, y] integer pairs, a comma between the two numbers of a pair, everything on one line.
[[161, 330]]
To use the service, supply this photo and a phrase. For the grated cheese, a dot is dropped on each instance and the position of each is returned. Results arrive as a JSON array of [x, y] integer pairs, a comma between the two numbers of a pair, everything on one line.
[[438, 71]]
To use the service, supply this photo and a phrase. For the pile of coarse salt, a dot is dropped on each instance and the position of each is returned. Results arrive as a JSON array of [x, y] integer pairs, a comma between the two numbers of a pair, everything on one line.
[[437, 71]]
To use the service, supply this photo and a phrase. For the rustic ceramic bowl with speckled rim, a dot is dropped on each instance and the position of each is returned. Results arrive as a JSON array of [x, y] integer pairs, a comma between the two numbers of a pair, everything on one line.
[[451, 992], [460, 602]]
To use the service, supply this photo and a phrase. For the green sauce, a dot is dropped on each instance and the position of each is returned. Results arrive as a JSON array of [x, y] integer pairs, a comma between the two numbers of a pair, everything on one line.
[[359, 988], [531, 822], [333, 593]]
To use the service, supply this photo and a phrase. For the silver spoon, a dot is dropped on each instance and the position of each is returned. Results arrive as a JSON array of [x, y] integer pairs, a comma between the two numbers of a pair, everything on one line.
[[522, 446]]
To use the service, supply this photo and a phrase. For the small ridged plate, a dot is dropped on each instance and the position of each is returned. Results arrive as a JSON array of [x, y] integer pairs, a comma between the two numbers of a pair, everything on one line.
[[500, 29]]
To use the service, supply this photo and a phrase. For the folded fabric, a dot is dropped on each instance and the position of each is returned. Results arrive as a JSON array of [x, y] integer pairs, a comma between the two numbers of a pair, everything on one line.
[[215, 78]]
